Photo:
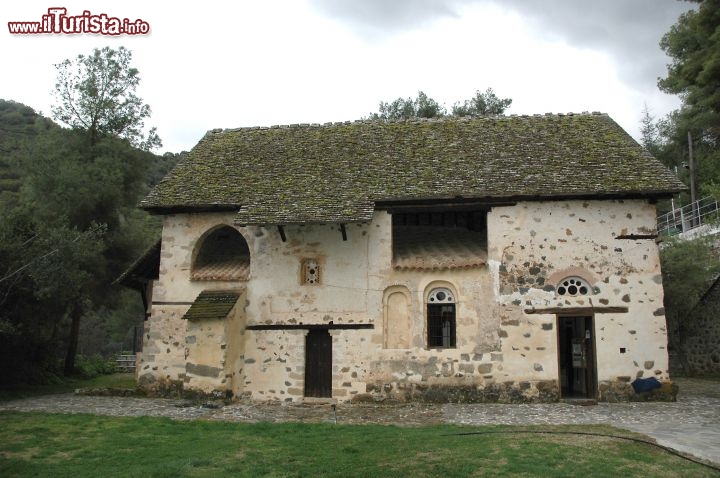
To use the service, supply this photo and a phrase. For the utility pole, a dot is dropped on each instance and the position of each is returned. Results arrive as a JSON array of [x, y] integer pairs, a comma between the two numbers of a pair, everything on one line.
[[693, 198]]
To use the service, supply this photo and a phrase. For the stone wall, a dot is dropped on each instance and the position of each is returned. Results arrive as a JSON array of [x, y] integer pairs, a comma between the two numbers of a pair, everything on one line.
[[177, 354], [702, 334], [506, 310], [534, 245]]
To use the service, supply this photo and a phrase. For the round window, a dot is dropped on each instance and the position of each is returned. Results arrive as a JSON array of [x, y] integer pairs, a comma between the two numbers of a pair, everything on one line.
[[573, 286], [441, 295]]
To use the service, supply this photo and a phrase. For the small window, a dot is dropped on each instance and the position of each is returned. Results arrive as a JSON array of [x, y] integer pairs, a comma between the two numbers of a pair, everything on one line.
[[310, 271], [573, 286], [441, 319]]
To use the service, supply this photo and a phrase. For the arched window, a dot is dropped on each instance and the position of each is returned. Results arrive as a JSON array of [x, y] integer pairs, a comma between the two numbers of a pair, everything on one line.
[[573, 286], [441, 318], [222, 255]]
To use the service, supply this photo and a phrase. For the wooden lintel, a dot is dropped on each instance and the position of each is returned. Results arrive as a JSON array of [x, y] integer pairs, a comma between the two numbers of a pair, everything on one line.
[[637, 236], [281, 230], [343, 231], [163, 302], [579, 310], [453, 207], [308, 326]]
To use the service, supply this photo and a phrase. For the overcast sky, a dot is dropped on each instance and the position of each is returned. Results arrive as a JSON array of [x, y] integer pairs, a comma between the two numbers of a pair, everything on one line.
[[212, 64]]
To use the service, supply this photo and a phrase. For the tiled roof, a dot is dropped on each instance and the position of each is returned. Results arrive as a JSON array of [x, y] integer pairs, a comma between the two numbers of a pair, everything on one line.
[[143, 270], [222, 261], [337, 172], [221, 270], [437, 248], [212, 304]]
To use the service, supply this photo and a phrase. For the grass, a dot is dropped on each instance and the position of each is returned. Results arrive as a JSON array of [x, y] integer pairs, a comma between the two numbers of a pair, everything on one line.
[[36, 444], [66, 385]]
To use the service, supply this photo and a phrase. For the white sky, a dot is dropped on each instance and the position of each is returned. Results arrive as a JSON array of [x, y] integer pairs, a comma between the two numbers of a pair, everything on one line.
[[214, 64]]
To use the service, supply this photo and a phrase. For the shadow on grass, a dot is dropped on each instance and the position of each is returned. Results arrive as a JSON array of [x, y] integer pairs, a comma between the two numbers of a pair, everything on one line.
[[68, 385]]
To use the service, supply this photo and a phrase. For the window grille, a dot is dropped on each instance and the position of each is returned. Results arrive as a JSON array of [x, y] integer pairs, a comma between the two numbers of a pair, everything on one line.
[[573, 286], [441, 319], [310, 271]]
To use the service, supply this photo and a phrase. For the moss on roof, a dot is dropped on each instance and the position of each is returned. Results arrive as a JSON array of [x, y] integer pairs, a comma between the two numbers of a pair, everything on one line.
[[212, 304], [337, 172]]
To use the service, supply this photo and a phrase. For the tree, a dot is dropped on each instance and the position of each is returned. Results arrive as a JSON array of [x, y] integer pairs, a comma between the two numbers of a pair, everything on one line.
[[401, 108], [688, 269], [693, 43], [96, 93], [96, 96], [482, 104], [70, 229], [649, 132]]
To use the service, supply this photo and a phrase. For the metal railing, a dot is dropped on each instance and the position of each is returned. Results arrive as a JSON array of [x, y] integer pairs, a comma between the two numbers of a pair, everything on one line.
[[691, 216]]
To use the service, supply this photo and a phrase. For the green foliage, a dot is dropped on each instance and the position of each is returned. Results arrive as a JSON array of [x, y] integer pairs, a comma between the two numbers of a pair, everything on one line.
[[405, 108], [693, 43], [650, 133], [35, 444], [482, 104], [96, 94], [18, 125], [90, 366], [109, 329], [688, 267], [69, 223], [70, 229]]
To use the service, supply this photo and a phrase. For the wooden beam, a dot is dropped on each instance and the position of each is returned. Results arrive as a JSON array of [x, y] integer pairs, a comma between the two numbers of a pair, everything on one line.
[[637, 236], [309, 326], [343, 231], [281, 230], [162, 302], [430, 208], [578, 310]]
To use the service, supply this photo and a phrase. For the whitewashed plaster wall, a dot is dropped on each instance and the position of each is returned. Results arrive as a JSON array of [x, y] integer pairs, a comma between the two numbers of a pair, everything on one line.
[[502, 332], [534, 245], [165, 347]]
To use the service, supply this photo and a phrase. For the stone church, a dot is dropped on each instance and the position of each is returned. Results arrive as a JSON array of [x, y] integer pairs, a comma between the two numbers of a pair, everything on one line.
[[507, 259]]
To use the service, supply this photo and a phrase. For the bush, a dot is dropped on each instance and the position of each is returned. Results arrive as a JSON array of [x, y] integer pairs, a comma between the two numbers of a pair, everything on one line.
[[94, 365]]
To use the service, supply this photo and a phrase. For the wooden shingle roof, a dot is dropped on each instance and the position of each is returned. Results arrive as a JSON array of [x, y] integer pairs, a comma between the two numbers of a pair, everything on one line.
[[339, 172], [212, 305]]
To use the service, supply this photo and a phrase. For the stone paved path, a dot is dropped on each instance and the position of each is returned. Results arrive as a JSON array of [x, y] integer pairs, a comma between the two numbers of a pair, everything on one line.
[[690, 425]]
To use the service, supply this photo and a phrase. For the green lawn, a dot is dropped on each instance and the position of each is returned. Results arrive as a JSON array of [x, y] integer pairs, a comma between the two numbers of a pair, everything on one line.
[[36, 444]]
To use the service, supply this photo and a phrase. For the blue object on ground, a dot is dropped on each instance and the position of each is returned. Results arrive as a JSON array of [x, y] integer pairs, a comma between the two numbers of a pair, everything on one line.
[[646, 384]]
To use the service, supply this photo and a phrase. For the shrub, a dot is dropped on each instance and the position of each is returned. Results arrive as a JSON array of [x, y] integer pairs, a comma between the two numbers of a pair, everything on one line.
[[94, 365]]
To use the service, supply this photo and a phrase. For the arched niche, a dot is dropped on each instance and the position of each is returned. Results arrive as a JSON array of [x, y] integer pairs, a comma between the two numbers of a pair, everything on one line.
[[222, 253], [397, 323]]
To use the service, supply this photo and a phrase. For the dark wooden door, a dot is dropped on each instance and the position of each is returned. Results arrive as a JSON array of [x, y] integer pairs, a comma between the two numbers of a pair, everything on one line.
[[318, 363], [576, 357]]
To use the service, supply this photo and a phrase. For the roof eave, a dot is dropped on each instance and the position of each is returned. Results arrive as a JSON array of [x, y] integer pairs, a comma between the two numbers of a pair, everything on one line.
[[189, 208]]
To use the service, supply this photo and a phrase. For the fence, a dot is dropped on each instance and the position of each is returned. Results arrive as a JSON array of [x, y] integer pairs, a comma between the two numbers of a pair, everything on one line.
[[683, 219]]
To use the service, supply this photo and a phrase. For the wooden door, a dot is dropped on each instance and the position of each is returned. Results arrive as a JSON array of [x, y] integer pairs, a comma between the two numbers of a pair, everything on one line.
[[318, 363], [576, 357]]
